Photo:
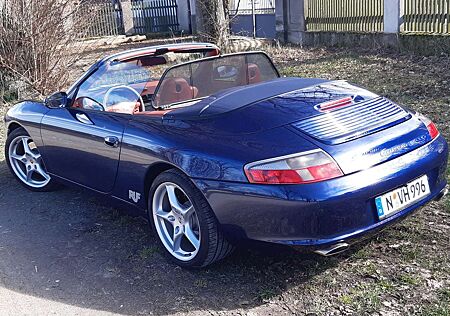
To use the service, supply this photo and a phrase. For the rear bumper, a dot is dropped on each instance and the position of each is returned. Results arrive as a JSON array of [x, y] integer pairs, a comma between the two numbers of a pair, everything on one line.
[[324, 213]]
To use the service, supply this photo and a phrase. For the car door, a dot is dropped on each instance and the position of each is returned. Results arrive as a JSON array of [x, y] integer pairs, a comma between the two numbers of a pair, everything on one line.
[[83, 146], [82, 140]]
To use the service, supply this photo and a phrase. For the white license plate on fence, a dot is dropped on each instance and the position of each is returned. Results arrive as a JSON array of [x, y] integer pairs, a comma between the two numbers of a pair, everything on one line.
[[392, 202]]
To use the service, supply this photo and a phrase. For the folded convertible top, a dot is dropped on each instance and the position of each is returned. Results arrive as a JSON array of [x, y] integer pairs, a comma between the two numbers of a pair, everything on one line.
[[240, 97]]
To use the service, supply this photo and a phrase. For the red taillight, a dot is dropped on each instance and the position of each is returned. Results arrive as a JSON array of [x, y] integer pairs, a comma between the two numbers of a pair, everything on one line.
[[273, 176], [431, 127], [294, 169], [327, 171]]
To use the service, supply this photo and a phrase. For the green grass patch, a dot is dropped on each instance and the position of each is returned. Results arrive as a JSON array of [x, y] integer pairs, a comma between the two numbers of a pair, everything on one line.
[[363, 253], [346, 299], [436, 310], [266, 294], [364, 298], [445, 294], [409, 279], [147, 252], [201, 283]]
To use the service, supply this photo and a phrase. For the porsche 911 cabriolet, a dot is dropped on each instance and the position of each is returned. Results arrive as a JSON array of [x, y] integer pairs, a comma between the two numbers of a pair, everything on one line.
[[214, 149]]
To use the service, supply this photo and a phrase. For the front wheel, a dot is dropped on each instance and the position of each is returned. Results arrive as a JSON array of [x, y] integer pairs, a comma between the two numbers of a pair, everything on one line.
[[25, 162], [184, 222]]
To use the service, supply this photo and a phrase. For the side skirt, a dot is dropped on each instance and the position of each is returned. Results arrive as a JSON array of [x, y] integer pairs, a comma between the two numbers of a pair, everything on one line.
[[128, 207]]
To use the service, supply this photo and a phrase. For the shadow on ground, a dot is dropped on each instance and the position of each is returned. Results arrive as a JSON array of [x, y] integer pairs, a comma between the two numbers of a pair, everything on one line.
[[67, 246]]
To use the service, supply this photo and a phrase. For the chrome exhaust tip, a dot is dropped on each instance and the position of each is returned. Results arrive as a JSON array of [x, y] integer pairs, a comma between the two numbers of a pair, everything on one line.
[[333, 250], [441, 194]]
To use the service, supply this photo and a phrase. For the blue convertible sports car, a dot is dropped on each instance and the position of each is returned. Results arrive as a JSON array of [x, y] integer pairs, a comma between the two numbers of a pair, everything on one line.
[[218, 148]]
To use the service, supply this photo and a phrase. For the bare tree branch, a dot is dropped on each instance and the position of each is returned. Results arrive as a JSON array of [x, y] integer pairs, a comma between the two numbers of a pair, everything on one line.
[[40, 40]]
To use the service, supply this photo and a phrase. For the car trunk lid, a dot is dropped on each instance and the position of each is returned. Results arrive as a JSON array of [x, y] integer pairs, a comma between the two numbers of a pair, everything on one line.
[[353, 121], [378, 147]]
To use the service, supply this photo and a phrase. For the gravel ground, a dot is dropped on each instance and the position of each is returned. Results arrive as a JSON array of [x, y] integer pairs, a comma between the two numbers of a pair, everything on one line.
[[69, 252]]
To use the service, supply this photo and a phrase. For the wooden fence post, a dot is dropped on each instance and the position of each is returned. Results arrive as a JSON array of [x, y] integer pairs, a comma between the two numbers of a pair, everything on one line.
[[127, 16], [392, 17]]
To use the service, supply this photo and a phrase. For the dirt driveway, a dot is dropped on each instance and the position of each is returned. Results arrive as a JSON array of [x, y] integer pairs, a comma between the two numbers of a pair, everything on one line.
[[68, 252]]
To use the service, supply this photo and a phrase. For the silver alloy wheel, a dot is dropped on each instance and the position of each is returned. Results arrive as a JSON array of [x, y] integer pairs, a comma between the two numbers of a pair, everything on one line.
[[176, 221], [26, 162]]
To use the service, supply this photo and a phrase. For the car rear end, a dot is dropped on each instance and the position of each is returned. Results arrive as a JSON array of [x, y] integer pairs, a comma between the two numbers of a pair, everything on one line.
[[374, 163], [327, 212]]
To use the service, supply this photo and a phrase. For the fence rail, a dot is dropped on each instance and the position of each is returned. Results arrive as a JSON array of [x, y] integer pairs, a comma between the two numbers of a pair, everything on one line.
[[105, 18], [426, 16], [244, 7], [152, 16], [344, 15]]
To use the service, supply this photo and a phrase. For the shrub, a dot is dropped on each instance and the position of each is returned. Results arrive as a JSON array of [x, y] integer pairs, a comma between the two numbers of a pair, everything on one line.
[[39, 42]]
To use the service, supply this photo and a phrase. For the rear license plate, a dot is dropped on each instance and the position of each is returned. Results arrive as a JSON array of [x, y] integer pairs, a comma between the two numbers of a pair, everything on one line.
[[392, 202]]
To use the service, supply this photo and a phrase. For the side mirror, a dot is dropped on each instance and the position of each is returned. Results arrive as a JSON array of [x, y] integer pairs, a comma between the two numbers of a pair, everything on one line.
[[56, 100]]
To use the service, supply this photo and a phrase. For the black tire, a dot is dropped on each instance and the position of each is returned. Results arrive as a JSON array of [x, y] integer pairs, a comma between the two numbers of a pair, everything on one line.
[[50, 186], [213, 245]]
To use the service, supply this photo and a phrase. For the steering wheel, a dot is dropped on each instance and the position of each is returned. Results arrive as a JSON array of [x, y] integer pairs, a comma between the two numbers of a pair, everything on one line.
[[110, 90]]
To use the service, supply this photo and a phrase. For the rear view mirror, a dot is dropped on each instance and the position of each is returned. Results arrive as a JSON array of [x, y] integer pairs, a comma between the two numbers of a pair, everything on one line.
[[56, 100]]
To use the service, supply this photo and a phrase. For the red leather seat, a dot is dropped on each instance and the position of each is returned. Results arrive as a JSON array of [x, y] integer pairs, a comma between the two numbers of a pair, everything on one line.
[[250, 75], [176, 90]]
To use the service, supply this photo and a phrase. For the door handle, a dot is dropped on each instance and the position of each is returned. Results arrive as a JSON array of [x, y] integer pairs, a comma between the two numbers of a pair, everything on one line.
[[83, 118], [112, 141]]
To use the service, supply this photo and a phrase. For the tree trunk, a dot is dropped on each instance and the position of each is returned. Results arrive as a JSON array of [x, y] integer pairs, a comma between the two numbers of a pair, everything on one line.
[[214, 23]]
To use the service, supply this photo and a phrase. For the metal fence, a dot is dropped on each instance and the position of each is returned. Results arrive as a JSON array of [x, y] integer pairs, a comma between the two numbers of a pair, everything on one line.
[[253, 18], [104, 18], [246, 7], [426, 16], [344, 15], [153, 16]]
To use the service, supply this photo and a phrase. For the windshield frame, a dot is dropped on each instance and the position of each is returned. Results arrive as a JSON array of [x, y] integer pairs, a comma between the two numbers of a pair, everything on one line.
[[126, 55], [153, 102]]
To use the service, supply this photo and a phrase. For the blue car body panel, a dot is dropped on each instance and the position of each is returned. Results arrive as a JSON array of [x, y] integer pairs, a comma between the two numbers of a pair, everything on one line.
[[213, 140], [327, 212], [76, 151]]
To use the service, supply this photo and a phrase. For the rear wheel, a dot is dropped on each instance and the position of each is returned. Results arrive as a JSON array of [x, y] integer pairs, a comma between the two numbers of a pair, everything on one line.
[[25, 162], [184, 222]]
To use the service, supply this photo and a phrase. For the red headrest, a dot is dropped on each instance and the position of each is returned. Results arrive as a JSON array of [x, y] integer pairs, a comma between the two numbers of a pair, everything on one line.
[[254, 74], [175, 90]]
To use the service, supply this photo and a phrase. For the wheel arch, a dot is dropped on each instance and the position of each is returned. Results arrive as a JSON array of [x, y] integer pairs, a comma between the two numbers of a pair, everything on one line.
[[153, 171], [13, 126]]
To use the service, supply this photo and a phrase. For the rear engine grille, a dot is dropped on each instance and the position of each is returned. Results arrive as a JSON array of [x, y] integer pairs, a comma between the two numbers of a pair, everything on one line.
[[353, 121]]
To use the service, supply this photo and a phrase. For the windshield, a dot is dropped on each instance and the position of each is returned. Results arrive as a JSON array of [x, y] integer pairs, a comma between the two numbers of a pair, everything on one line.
[[128, 86], [202, 78]]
